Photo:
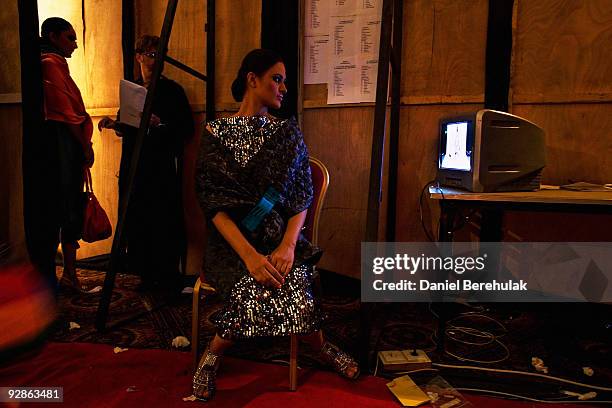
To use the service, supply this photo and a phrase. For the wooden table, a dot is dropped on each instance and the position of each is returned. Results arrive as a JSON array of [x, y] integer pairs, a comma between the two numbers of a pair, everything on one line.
[[492, 206]]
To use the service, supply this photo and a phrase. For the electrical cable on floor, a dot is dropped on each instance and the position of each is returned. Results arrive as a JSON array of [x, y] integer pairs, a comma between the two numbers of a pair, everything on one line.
[[549, 377], [533, 399], [416, 371], [492, 338], [500, 370]]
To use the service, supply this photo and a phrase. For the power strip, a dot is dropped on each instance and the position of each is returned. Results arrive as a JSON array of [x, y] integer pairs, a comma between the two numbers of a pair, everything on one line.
[[404, 360]]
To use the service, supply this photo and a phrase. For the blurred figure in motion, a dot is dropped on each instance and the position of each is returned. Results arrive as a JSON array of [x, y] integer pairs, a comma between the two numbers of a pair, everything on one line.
[[27, 306]]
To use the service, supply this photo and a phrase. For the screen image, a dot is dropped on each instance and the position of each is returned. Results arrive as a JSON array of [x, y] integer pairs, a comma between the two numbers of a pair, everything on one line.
[[455, 155]]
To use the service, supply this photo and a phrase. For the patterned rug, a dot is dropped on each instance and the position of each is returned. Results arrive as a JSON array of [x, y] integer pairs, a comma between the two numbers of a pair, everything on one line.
[[140, 319], [567, 337]]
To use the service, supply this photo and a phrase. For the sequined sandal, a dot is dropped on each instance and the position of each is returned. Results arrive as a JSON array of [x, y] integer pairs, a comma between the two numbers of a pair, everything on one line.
[[342, 363], [204, 379]]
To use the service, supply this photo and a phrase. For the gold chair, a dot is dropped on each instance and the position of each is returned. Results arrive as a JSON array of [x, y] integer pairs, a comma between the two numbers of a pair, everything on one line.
[[320, 182]]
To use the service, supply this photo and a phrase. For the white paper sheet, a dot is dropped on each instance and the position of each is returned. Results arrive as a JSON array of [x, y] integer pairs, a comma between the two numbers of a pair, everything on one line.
[[343, 86], [341, 48], [371, 7], [131, 99], [368, 69], [316, 59], [369, 30], [344, 7], [344, 36], [317, 17]]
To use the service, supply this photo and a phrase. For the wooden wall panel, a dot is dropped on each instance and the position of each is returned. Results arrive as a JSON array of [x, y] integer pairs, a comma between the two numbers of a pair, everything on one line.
[[238, 27], [187, 42], [444, 47], [561, 81], [238, 32], [342, 139], [562, 49], [11, 180], [578, 142], [9, 49], [103, 56]]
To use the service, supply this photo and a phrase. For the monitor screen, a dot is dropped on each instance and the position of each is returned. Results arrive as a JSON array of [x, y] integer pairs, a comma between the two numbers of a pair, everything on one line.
[[455, 149]]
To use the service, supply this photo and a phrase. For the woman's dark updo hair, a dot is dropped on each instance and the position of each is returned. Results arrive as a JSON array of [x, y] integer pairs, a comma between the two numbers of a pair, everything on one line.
[[54, 25], [258, 62]]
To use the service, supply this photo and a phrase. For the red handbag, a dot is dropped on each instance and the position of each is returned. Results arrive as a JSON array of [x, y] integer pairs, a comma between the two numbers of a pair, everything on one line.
[[96, 225]]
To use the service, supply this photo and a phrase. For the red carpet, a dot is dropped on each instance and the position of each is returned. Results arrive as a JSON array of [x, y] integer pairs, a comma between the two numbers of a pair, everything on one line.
[[93, 376]]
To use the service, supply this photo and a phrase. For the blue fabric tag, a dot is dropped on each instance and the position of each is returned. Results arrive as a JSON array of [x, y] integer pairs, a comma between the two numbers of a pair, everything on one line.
[[263, 208]]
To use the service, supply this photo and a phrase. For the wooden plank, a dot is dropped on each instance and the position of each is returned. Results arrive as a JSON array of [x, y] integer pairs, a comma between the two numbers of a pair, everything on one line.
[[10, 98], [552, 196], [405, 100], [548, 98], [577, 146], [563, 47], [341, 138], [238, 32], [444, 47], [11, 181], [102, 48], [9, 49]]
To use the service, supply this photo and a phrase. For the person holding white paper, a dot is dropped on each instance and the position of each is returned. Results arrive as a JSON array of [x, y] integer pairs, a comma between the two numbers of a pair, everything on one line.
[[155, 230]]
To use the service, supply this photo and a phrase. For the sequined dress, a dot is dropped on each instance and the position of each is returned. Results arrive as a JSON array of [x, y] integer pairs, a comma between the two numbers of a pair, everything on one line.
[[239, 159]]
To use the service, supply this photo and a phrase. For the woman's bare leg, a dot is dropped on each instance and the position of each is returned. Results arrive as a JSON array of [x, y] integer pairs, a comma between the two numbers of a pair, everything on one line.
[[204, 379], [69, 250], [316, 341], [218, 345]]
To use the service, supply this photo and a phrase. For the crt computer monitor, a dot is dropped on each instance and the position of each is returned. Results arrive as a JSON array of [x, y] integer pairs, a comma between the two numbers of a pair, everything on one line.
[[489, 151]]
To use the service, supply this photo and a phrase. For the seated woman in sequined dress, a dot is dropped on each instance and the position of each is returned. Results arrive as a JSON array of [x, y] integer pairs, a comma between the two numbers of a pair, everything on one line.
[[254, 185]]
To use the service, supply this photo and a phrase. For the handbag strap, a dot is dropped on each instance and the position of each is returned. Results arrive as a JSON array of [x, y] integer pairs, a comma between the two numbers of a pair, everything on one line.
[[88, 184]]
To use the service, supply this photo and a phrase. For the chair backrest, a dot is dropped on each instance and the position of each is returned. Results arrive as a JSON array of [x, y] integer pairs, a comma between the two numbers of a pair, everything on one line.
[[320, 182]]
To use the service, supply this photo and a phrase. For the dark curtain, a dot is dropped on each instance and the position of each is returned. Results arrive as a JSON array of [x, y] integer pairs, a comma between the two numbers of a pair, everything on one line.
[[127, 38], [498, 54], [279, 32]]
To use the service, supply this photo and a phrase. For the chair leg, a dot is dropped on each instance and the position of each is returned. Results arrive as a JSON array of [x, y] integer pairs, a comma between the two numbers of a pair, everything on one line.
[[195, 324], [293, 363]]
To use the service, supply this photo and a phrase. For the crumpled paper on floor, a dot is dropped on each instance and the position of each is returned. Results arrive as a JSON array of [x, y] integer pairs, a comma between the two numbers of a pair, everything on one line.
[[180, 341]]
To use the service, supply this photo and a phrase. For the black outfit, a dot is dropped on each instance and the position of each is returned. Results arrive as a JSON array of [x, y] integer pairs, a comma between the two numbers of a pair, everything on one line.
[[155, 231]]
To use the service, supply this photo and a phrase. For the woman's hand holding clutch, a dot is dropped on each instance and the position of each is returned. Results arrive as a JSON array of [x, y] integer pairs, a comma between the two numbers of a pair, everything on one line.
[[263, 271]]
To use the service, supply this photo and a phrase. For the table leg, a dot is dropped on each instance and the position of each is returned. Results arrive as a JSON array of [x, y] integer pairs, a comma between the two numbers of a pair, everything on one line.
[[448, 214]]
